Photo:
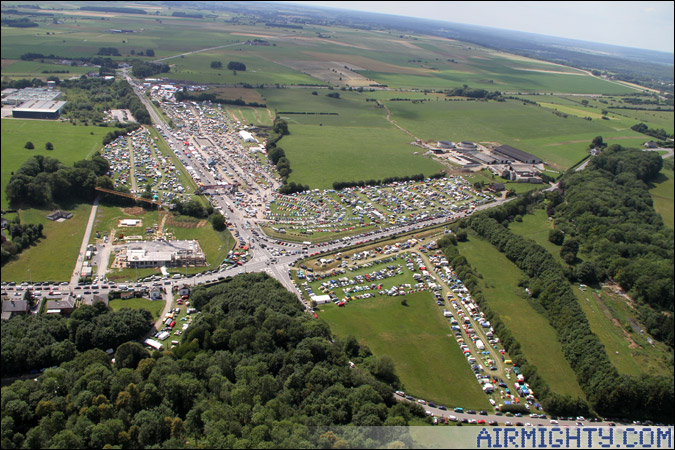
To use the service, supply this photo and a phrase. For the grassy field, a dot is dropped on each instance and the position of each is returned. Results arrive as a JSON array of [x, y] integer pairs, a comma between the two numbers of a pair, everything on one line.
[[155, 307], [53, 258], [417, 338], [537, 337], [562, 142], [662, 194], [320, 156], [16, 69], [536, 227], [71, 143]]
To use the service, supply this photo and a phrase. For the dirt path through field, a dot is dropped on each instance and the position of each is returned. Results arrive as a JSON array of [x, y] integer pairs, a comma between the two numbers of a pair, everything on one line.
[[390, 120]]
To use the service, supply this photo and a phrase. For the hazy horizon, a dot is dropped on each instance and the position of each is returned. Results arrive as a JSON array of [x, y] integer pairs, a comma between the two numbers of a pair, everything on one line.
[[640, 25]]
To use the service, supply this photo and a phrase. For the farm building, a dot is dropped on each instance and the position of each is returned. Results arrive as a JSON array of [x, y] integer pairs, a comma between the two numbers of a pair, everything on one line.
[[510, 154], [58, 214], [39, 109], [445, 144]]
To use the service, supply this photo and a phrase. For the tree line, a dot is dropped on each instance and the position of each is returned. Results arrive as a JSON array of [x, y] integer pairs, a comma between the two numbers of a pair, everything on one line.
[[609, 393], [253, 371], [143, 69], [277, 157], [658, 133], [466, 91], [204, 97], [339, 185], [552, 402]]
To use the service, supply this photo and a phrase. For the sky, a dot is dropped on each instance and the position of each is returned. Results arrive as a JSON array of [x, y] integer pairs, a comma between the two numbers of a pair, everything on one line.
[[645, 25]]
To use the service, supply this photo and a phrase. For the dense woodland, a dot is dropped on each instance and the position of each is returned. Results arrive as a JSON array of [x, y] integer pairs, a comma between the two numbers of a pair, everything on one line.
[[34, 342], [607, 208], [607, 214], [254, 371]]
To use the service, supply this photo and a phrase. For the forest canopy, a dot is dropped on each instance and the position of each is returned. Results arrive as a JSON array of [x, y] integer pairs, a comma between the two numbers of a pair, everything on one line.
[[253, 370]]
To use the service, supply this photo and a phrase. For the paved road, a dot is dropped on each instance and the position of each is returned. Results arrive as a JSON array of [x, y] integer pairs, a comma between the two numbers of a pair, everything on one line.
[[85, 242]]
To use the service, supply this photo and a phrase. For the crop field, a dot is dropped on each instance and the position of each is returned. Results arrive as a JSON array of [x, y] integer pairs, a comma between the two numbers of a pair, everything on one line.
[[54, 257], [71, 143], [532, 330], [417, 338]]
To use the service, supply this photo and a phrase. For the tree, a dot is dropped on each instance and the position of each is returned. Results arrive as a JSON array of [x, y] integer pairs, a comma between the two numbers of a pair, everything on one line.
[[29, 145], [234, 65], [216, 65], [149, 52], [218, 222], [49, 146], [597, 142], [129, 354], [556, 236]]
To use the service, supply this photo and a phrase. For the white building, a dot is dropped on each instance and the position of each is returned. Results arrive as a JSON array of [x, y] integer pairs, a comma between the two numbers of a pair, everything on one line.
[[247, 137]]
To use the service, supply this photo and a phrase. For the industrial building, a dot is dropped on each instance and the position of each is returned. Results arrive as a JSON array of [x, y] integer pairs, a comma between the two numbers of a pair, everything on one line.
[[38, 109], [508, 154], [19, 96]]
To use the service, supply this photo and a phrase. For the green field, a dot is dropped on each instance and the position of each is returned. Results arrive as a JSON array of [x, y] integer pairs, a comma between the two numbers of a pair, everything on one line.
[[428, 360], [71, 143], [54, 257], [536, 226], [154, 306], [562, 142], [662, 194], [538, 339]]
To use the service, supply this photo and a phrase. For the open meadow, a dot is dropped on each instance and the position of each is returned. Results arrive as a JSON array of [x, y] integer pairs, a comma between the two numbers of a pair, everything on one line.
[[154, 306], [537, 338], [662, 194], [428, 361], [71, 143], [54, 256]]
